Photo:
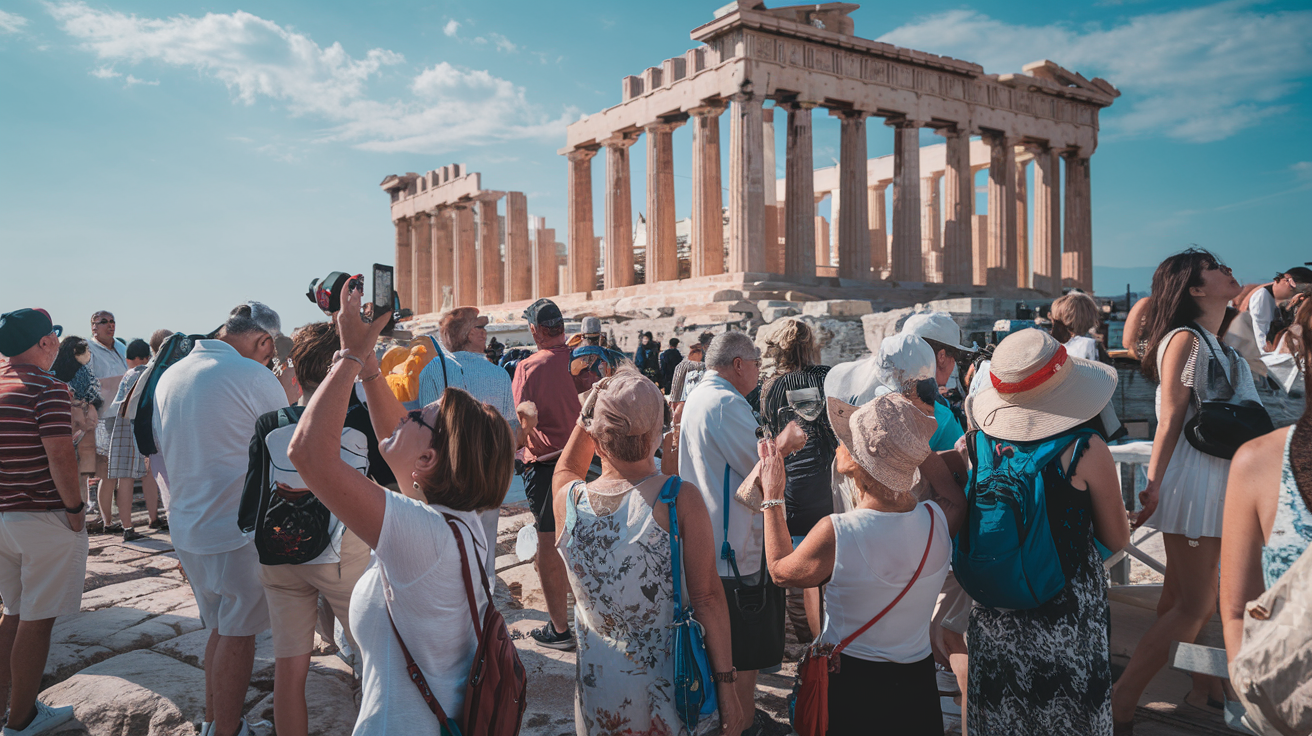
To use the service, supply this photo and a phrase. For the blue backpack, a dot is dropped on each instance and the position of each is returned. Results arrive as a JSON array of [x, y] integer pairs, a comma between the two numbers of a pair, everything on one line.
[[1004, 555]]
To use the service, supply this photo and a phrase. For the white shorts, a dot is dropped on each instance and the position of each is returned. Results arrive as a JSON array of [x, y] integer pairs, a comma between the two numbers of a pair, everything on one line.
[[952, 610], [228, 590], [42, 564]]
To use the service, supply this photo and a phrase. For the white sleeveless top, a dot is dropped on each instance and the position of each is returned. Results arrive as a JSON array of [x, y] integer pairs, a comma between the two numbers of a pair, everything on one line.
[[876, 553]]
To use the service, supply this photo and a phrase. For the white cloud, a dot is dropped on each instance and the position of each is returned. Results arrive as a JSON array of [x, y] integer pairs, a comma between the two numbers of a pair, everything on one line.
[[11, 22], [259, 59], [503, 43], [105, 72], [1302, 171], [451, 28], [1197, 74], [131, 80]]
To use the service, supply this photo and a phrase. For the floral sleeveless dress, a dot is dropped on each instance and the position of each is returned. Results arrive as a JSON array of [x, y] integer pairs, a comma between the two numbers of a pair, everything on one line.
[[1292, 531], [619, 569]]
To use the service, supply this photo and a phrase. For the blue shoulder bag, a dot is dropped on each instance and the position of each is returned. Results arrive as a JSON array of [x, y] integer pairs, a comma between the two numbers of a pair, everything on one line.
[[694, 690]]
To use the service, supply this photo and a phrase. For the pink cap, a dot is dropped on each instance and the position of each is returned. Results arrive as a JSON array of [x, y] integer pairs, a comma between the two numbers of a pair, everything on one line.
[[625, 404]]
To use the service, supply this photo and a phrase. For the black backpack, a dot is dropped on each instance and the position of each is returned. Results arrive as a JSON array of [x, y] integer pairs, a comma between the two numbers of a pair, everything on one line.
[[175, 348]]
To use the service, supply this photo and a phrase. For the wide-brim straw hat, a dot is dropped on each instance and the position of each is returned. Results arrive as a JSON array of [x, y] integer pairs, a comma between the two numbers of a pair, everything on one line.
[[1038, 390], [888, 437]]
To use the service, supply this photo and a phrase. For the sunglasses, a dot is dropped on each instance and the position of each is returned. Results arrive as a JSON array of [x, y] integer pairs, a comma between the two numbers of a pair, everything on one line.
[[417, 416], [104, 322], [1214, 266]]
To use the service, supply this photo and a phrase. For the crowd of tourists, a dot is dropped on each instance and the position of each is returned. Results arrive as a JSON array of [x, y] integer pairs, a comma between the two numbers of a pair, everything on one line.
[[932, 527]]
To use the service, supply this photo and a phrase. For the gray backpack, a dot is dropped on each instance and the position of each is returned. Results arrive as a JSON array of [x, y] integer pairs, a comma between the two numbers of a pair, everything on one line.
[[1272, 673]]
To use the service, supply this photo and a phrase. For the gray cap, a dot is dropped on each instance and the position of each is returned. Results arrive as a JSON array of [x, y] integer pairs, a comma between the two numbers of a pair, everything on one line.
[[591, 326]]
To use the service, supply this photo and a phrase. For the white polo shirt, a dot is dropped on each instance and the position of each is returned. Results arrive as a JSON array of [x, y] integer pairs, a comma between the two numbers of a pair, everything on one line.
[[109, 364]]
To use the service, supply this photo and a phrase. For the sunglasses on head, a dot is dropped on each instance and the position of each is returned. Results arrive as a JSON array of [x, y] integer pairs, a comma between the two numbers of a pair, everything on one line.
[[417, 416]]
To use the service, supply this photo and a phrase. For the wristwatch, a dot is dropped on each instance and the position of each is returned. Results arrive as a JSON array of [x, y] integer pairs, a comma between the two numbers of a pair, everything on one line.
[[730, 676], [76, 509]]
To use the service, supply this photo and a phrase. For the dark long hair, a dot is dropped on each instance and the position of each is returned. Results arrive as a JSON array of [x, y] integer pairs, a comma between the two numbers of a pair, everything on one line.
[[66, 364], [1172, 306]]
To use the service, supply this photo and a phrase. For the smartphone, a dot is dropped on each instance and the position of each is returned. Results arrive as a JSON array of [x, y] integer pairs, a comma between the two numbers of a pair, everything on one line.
[[385, 299]]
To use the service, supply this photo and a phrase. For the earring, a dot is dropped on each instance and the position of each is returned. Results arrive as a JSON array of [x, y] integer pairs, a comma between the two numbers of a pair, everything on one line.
[[416, 485]]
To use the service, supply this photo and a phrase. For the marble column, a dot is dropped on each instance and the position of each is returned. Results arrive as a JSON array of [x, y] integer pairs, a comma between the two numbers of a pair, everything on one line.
[[618, 263], [491, 269], [835, 216], [1002, 210], [465, 249], [979, 227], [958, 205], [746, 185], [421, 246], [707, 246], [519, 263], [1022, 225], [662, 250], [405, 288], [877, 209], [799, 195], [546, 270], [1079, 222], [1047, 222], [854, 225], [822, 242], [931, 243], [774, 247], [907, 262], [443, 267], [582, 238]]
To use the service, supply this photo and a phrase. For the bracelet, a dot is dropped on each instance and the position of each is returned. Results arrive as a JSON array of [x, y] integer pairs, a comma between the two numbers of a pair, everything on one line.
[[76, 509], [370, 378], [771, 503], [347, 356], [730, 676]]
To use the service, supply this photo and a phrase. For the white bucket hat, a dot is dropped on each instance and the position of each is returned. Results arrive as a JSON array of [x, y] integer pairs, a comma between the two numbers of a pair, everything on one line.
[[1038, 390], [936, 326], [902, 357]]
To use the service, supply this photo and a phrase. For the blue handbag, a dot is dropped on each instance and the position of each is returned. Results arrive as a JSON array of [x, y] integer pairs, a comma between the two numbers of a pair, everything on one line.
[[694, 690]]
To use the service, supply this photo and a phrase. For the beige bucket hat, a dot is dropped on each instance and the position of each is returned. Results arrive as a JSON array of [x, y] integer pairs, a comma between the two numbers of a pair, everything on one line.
[[1038, 390], [888, 437]]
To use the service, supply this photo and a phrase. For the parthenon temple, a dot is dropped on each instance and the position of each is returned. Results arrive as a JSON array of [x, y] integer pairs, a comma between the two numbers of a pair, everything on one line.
[[905, 220]]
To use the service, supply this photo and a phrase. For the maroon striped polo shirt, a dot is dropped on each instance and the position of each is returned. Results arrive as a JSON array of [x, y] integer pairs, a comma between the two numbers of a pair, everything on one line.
[[33, 405]]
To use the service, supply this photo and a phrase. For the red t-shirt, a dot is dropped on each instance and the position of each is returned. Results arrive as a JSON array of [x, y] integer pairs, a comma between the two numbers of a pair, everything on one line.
[[33, 405], [544, 379]]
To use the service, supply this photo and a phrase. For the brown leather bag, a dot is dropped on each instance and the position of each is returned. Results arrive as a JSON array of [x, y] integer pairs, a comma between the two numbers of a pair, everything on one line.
[[495, 695]]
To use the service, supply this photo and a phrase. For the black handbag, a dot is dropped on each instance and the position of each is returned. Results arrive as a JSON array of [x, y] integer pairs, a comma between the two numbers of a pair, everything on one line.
[[756, 612], [1218, 426]]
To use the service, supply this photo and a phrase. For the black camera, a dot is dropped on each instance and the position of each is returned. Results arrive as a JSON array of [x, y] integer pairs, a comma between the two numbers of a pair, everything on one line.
[[327, 291]]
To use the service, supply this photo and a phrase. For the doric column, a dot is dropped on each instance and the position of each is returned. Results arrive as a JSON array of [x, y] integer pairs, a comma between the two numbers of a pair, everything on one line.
[[1079, 222], [707, 247], [1022, 225], [979, 228], [854, 225], [421, 239], [662, 250], [618, 263], [443, 267], [519, 263], [799, 194], [1047, 221], [877, 210], [746, 185], [465, 249], [958, 205], [546, 270], [835, 217], [1002, 209], [931, 244], [491, 270], [405, 288], [821, 240], [907, 262], [582, 238], [774, 247]]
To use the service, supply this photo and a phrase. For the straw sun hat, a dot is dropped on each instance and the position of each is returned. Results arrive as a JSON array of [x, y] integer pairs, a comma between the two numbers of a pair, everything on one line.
[[1038, 390], [888, 437]]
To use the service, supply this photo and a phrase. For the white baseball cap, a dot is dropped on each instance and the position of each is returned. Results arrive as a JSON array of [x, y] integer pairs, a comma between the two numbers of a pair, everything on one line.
[[936, 326]]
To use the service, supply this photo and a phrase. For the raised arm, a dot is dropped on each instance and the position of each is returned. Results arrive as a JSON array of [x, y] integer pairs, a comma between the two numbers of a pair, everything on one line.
[[945, 491], [572, 466], [315, 448], [812, 563]]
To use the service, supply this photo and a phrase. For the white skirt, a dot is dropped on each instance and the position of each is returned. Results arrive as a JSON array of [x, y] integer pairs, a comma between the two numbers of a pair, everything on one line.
[[1191, 500]]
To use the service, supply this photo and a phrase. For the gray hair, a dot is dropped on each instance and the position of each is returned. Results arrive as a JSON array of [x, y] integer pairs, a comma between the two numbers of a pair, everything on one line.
[[732, 344], [253, 317]]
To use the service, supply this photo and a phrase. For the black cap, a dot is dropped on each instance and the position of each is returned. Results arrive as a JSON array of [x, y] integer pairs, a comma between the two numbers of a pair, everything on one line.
[[544, 313], [23, 328]]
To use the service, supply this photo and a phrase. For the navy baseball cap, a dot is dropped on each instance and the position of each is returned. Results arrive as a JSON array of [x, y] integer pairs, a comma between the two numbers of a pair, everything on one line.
[[544, 313], [23, 328]]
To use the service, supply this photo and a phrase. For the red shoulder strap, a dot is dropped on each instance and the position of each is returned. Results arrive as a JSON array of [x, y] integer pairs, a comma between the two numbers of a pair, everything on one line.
[[853, 636], [416, 674], [464, 570]]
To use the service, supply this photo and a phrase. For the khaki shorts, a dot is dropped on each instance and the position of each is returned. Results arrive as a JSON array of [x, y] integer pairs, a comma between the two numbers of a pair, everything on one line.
[[293, 594], [952, 611], [228, 591], [42, 564]]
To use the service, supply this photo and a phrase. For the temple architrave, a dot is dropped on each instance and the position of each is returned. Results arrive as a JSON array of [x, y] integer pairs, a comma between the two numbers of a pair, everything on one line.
[[904, 221]]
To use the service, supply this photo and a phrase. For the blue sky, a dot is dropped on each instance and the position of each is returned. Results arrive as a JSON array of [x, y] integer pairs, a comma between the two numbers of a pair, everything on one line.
[[168, 160]]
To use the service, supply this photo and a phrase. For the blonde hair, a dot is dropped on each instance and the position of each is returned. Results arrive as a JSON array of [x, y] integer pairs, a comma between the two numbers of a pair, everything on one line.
[[1077, 311], [792, 347]]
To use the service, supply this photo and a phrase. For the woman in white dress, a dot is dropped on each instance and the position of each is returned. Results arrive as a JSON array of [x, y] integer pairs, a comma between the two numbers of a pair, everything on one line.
[[613, 533], [1185, 496]]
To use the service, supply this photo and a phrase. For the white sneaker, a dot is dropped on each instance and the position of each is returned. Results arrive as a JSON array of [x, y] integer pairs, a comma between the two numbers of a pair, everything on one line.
[[206, 727], [46, 720]]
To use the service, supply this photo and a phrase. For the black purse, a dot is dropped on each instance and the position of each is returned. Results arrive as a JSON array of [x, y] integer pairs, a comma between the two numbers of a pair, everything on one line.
[[1218, 426], [756, 612]]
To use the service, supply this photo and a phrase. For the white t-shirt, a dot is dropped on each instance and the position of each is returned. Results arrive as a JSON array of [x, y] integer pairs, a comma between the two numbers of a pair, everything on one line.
[[876, 554], [1082, 346], [109, 364], [206, 406], [719, 429], [416, 565], [1262, 310]]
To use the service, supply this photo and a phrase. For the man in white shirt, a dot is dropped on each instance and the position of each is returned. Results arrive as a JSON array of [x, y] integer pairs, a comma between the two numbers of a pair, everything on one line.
[[109, 361], [206, 406], [1265, 303], [719, 431]]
